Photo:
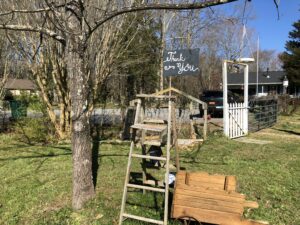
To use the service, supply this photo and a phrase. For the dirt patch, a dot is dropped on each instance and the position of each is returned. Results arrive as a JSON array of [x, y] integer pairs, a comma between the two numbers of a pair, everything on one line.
[[56, 205]]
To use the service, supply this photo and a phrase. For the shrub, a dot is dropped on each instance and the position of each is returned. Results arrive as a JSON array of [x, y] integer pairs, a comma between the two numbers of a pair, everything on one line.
[[33, 101], [34, 130]]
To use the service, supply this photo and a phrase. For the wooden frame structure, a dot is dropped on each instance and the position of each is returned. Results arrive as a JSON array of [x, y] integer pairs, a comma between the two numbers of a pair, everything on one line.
[[193, 99], [143, 125], [211, 199]]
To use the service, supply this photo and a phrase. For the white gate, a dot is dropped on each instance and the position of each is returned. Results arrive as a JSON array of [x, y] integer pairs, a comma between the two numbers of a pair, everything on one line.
[[237, 119], [235, 115]]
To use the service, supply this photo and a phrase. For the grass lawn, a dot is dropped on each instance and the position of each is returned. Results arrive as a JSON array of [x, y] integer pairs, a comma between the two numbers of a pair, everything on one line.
[[35, 181]]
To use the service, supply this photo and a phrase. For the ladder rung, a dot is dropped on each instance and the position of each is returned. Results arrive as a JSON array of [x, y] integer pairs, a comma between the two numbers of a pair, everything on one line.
[[155, 121], [150, 127], [149, 157], [143, 219], [152, 142], [158, 183], [146, 188]]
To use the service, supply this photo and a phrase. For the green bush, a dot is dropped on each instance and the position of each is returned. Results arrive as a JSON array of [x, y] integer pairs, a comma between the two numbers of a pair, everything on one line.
[[35, 130], [33, 101]]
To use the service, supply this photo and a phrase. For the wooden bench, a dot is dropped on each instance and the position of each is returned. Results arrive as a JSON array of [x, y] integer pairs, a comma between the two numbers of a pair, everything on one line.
[[210, 199]]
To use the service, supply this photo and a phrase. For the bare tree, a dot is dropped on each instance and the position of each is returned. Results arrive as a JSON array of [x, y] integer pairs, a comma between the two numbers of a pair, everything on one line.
[[76, 24], [4, 64], [268, 60], [3, 81]]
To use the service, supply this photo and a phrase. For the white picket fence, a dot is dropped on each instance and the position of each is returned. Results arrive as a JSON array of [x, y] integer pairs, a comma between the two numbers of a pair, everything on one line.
[[237, 120]]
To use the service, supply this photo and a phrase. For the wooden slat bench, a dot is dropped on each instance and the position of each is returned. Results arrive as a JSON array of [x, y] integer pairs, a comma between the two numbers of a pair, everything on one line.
[[210, 199]]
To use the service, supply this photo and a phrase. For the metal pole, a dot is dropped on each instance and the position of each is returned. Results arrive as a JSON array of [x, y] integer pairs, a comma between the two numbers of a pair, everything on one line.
[[257, 66], [225, 100]]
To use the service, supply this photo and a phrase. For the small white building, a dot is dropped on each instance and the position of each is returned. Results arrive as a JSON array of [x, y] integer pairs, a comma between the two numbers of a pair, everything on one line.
[[17, 86]]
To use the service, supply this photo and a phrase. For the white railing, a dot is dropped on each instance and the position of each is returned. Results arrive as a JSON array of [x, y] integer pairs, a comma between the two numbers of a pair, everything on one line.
[[237, 120]]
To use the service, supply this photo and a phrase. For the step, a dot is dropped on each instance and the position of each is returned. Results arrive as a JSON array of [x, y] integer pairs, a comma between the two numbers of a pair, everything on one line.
[[146, 188], [150, 127], [155, 121], [149, 157], [153, 142], [144, 219], [158, 183]]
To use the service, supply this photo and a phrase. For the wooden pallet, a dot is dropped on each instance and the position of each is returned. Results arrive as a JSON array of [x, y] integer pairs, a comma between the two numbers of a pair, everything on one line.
[[210, 199]]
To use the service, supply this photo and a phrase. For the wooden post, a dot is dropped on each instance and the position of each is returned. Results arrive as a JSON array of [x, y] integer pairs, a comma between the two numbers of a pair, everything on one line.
[[193, 133], [144, 150], [175, 141], [168, 157], [205, 123]]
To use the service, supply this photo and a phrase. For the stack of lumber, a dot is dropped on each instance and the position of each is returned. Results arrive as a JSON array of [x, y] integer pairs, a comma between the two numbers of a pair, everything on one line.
[[210, 199]]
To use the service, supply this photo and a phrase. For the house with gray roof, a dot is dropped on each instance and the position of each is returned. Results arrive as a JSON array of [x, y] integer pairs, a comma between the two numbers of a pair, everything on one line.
[[268, 83], [16, 86]]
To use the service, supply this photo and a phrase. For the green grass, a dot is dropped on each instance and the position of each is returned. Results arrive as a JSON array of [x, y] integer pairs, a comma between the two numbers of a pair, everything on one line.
[[35, 181]]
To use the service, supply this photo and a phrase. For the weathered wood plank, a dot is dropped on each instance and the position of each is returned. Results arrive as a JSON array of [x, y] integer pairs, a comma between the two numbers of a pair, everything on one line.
[[209, 191], [230, 183], [210, 198], [209, 195], [210, 185], [252, 222], [202, 175], [155, 121], [251, 204], [150, 127], [212, 204], [207, 216]]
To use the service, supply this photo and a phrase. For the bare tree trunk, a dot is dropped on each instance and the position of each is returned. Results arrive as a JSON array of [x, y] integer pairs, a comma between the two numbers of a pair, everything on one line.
[[83, 188], [3, 81]]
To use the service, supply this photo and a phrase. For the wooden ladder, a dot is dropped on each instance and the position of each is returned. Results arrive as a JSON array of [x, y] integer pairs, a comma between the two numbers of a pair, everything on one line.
[[143, 127]]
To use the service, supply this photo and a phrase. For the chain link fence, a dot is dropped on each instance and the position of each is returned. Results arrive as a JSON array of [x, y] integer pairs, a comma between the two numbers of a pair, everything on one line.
[[262, 113]]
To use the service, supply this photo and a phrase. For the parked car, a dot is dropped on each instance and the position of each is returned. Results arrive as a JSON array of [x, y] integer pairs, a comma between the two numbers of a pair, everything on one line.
[[214, 100]]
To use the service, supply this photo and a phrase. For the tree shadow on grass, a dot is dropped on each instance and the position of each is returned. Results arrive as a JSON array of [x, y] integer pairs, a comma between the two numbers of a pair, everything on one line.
[[38, 152], [286, 131], [50, 155], [95, 133], [193, 158]]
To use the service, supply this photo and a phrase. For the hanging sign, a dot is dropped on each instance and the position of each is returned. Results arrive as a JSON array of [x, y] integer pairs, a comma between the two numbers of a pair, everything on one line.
[[181, 62]]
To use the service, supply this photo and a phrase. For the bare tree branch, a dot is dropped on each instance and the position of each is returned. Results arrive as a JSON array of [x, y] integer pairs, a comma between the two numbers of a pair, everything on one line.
[[32, 10], [154, 6], [40, 30]]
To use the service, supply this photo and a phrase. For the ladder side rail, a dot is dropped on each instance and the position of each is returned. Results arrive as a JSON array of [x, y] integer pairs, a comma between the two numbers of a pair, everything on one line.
[[175, 140], [144, 150], [127, 178], [168, 164]]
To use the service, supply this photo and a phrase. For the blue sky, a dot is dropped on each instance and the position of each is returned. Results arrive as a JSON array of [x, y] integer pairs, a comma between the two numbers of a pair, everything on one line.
[[273, 33]]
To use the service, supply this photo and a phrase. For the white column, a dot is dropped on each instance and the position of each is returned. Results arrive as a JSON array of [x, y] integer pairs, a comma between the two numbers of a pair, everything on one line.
[[246, 74], [225, 101]]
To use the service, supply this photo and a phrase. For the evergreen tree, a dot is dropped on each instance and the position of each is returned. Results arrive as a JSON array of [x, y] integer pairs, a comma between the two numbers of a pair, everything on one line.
[[140, 62], [291, 57]]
